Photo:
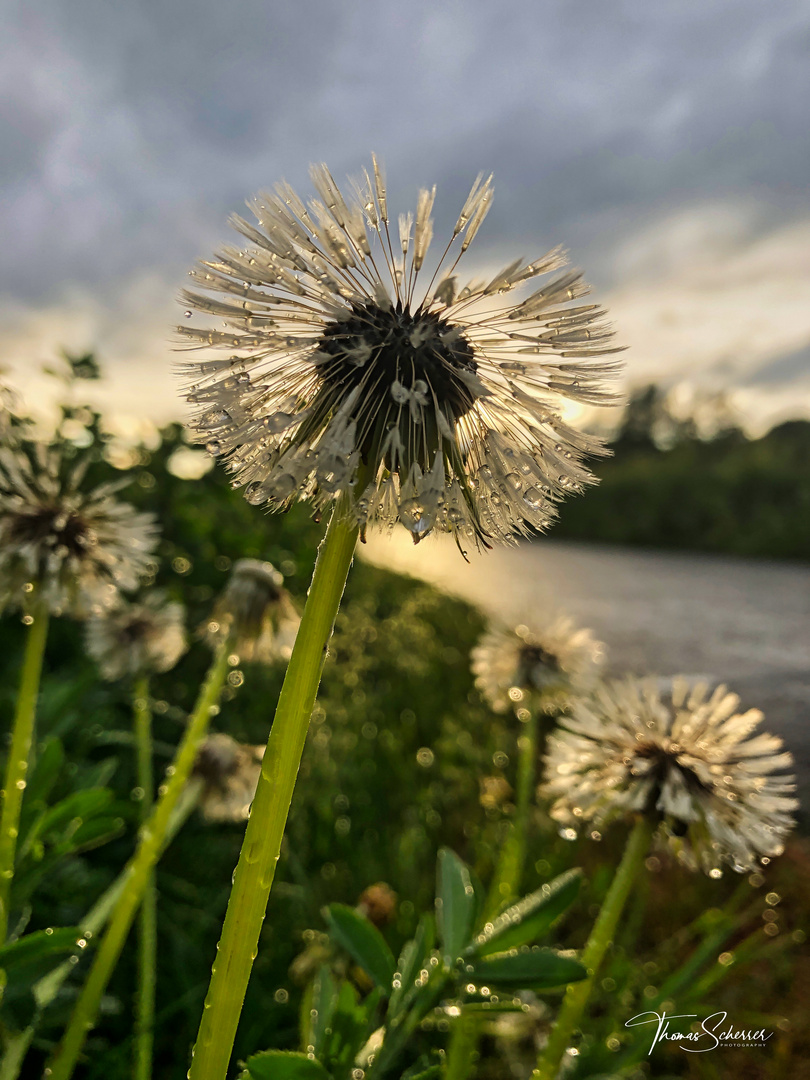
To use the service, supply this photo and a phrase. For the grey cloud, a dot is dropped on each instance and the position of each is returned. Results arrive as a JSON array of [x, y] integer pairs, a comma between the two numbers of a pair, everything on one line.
[[137, 127], [790, 368]]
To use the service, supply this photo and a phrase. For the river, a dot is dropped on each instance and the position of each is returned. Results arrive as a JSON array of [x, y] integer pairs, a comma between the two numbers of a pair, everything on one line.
[[738, 621]]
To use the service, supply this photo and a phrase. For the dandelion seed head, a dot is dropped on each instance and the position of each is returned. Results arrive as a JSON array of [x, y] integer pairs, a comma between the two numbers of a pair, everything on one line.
[[79, 547], [546, 663], [230, 773], [426, 404], [718, 792], [138, 638], [255, 612]]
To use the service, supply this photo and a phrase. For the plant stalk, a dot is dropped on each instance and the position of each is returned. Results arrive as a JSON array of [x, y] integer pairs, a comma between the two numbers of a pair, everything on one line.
[[238, 945], [147, 917], [577, 994], [505, 886], [18, 758], [138, 871]]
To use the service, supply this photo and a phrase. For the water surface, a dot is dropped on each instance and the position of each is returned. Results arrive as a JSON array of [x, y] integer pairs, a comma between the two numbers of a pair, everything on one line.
[[738, 621]]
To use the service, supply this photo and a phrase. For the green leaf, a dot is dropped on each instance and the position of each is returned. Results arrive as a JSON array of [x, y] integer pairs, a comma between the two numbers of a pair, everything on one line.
[[321, 1007], [419, 1072], [352, 1023], [76, 807], [50, 761], [456, 904], [34, 946], [529, 918], [283, 1065], [91, 834], [534, 969], [412, 959], [363, 941]]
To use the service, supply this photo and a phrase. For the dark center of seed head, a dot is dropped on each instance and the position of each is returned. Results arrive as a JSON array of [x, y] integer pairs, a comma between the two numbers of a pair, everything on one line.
[[50, 524], [380, 346], [533, 657]]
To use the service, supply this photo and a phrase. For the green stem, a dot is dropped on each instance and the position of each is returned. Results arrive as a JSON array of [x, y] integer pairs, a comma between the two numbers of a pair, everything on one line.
[[505, 886], [239, 942], [46, 989], [138, 871], [462, 1046], [577, 994], [19, 753], [147, 918]]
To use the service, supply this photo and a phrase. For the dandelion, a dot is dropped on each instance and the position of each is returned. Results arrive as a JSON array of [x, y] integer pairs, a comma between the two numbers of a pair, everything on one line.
[[378, 903], [535, 671], [494, 792], [62, 549], [72, 550], [138, 638], [230, 772], [684, 758], [545, 664], [256, 612], [435, 406]]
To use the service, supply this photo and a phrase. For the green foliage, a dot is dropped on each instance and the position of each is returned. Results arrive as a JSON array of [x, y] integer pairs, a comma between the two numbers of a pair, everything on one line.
[[283, 1065], [530, 918], [667, 488], [398, 744], [364, 941], [337, 1025]]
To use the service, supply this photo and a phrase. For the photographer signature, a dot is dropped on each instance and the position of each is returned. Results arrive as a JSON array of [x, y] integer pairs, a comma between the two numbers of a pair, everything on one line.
[[708, 1034]]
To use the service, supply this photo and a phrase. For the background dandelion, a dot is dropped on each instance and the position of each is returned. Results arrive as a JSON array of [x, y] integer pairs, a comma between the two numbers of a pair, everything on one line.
[[686, 759], [68, 546], [138, 638], [548, 662]]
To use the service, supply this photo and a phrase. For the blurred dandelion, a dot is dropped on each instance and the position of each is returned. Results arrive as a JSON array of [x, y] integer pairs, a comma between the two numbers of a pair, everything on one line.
[[138, 638], [494, 792], [230, 772], [543, 665], [684, 758], [437, 407], [256, 612], [378, 902], [71, 549]]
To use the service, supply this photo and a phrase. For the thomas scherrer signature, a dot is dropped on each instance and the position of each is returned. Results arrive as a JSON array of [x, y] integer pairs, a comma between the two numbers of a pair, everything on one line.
[[707, 1035]]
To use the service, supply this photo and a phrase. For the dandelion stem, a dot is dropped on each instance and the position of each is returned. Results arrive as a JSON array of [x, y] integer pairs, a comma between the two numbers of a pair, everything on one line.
[[506, 883], [239, 942], [577, 994], [19, 753], [138, 871], [147, 918]]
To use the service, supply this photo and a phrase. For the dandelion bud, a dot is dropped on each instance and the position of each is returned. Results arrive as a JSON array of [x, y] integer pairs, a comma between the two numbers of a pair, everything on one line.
[[255, 612], [378, 903], [230, 773]]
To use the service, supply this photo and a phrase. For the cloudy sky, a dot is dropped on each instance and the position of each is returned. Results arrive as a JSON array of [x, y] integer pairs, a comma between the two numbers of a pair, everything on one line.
[[667, 145]]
